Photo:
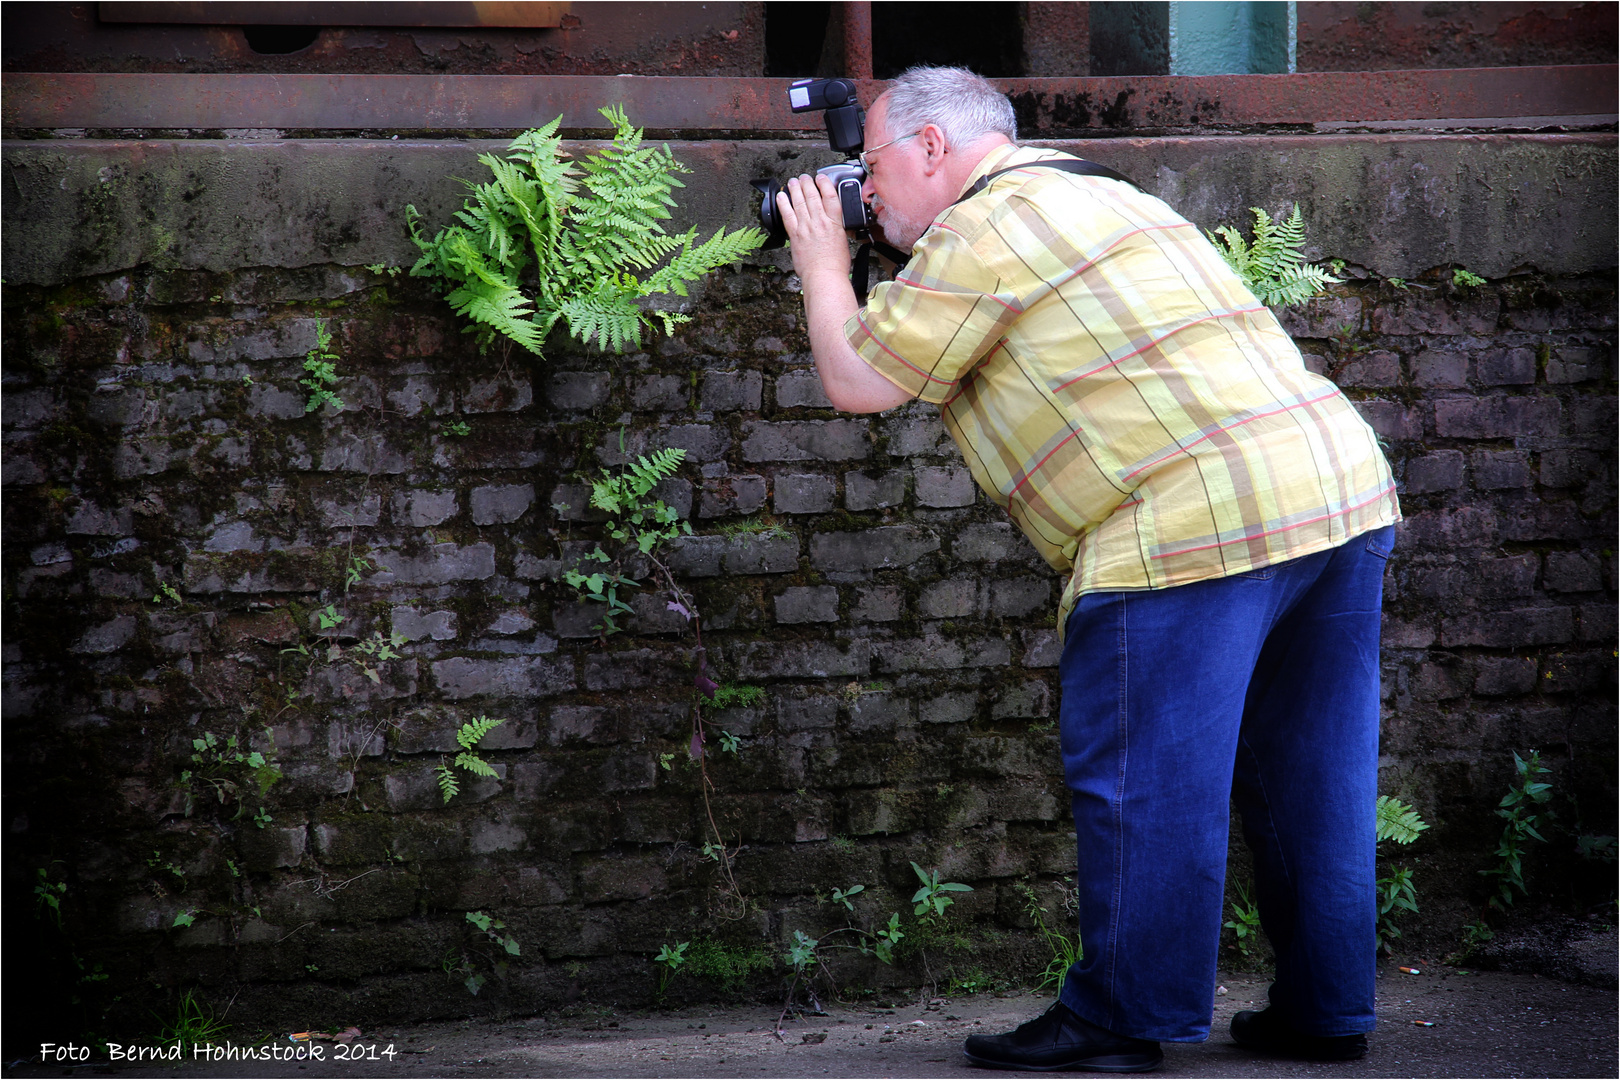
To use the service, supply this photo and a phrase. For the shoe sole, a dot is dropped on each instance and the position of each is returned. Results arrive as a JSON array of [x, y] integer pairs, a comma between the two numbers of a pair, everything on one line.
[[1101, 1064]]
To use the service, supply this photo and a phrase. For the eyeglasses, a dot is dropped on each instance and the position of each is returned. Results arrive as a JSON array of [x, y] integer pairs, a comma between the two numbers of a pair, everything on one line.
[[866, 155]]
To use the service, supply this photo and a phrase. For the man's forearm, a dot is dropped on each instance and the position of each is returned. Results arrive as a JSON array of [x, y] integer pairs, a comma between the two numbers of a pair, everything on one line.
[[849, 382]]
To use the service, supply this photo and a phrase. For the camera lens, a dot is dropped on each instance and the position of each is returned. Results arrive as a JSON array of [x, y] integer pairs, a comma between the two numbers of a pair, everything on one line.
[[770, 218]]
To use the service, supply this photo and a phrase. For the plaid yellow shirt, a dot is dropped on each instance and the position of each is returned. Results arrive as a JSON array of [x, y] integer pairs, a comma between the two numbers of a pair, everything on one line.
[[1118, 389]]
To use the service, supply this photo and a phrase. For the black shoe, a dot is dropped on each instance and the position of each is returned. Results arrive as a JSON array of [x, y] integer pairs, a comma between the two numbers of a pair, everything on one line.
[[1058, 1040], [1268, 1033]]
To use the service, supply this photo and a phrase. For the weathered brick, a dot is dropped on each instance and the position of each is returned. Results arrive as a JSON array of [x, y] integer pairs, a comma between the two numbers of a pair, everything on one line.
[[107, 637], [697, 556], [880, 603], [702, 443], [1434, 369], [521, 677], [1593, 414], [934, 653], [726, 391], [818, 713], [1507, 367], [1029, 699], [798, 660], [1439, 471], [1497, 417], [370, 454], [953, 708], [948, 599], [417, 393], [805, 493], [1598, 623], [1569, 468], [1375, 369], [1510, 629], [420, 509], [1573, 571], [1042, 648], [587, 723], [632, 669], [509, 393], [1500, 471], [913, 433], [88, 519], [141, 457], [800, 389], [1016, 597], [622, 878], [944, 486], [762, 554], [439, 564], [723, 496], [577, 390], [497, 504], [872, 489], [1475, 312], [661, 392], [342, 511], [1501, 676], [1391, 419], [1576, 364], [806, 440], [871, 549], [234, 536], [416, 625], [802, 604], [876, 713], [1451, 529]]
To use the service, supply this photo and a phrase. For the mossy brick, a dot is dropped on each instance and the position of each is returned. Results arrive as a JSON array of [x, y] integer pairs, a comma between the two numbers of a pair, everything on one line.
[[426, 837], [631, 669], [876, 604], [659, 392], [989, 542], [1506, 367], [1018, 597], [800, 389], [959, 707], [621, 877], [700, 556], [578, 390], [1475, 312], [1029, 699], [951, 598], [1597, 622], [1504, 676], [1440, 369], [1542, 520], [1030, 800], [107, 637], [1441, 470], [1498, 416], [730, 391], [813, 713], [1593, 414], [874, 489], [236, 536], [629, 770], [535, 780], [142, 457], [702, 443], [583, 723], [944, 486], [347, 683], [802, 493], [915, 431], [757, 554], [1510, 629], [800, 659], [931, 652], [1572, 364], [1451, 529], [510, 393], [520, 677], [1573, 572], [806, 440], [368, 454], [1007, 756], [418, 393], [291, 904], [417, 625], [1439, 681], [1377, 369], [807, 604], [880, 714], [723, 496], [502, 833], [883, 547], [655, 821], [1391, 419], [439, 564], [29, 409], [272, 847], [877, 811], [499, 504], [418, 788], [1500, 470]]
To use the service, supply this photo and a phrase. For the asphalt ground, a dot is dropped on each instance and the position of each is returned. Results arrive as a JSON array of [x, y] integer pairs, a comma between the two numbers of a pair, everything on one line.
[[1484, 1024]]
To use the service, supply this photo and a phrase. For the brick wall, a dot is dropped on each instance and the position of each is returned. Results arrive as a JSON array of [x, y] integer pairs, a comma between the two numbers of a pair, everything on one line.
[[155, 433]]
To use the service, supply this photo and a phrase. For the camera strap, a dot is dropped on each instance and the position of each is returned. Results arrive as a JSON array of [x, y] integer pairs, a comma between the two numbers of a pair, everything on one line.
[[1078, 166], [862, 269]]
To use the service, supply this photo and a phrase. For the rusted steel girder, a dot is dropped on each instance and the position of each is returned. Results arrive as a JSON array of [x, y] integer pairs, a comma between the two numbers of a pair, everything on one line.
[[858, 39], [1046, 107], [519, 13]]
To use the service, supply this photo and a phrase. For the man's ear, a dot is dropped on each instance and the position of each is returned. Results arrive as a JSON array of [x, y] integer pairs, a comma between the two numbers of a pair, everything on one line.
[[934, 148]]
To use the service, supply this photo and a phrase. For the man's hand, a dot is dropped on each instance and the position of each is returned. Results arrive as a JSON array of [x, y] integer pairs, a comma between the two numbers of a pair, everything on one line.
[[814, 220]]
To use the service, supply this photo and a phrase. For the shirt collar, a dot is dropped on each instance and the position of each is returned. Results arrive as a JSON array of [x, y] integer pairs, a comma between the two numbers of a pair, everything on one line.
[[998, 158]]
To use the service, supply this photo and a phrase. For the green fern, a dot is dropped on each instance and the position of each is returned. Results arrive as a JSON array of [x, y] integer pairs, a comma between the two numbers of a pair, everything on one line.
[[551, 238], [1273, 266], [474, 730], [1397, 821], [448, 785], [468, 736]]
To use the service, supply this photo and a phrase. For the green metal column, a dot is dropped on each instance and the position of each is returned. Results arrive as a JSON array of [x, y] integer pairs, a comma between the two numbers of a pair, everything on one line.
[[1232, 38]]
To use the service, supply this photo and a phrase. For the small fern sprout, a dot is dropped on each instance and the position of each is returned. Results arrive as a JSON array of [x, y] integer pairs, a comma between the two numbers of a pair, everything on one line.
[[1273, 266]]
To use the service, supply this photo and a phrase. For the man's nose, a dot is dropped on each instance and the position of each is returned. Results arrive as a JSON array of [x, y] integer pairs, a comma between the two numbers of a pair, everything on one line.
[[867, 188]]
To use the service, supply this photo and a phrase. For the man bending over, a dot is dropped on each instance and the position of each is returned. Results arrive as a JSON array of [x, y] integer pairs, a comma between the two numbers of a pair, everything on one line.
[[1223, 518]]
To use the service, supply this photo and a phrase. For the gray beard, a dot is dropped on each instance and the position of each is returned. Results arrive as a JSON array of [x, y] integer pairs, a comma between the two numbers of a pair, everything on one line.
[[902, 232]]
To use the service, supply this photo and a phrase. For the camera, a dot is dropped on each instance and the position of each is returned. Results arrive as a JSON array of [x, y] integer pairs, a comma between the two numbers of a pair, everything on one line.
[[845, 133]]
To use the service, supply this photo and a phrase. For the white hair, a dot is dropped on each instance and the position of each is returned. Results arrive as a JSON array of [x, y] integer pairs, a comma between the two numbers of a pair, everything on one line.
[[963, 105]]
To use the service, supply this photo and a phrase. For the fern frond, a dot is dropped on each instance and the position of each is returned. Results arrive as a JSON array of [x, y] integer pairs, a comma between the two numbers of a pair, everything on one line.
[[648, 473], [474, 730], [606, 315], [1273, 266], [692, 263], [475, 764], [1397, 821], [448, 784]]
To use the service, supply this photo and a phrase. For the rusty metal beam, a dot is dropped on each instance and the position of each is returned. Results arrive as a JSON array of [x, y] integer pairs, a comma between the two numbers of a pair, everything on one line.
[[1046, 107], [858, 39], [517, 13]]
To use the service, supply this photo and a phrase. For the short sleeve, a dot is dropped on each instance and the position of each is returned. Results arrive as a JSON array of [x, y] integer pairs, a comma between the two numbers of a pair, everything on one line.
[[927, 329]]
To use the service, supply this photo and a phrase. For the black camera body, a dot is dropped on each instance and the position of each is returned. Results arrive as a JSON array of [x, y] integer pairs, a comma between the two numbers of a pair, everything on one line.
[[845, 133]]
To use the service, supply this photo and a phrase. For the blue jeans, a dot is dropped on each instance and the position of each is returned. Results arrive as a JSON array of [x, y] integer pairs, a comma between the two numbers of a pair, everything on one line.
[[1262, 687]]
